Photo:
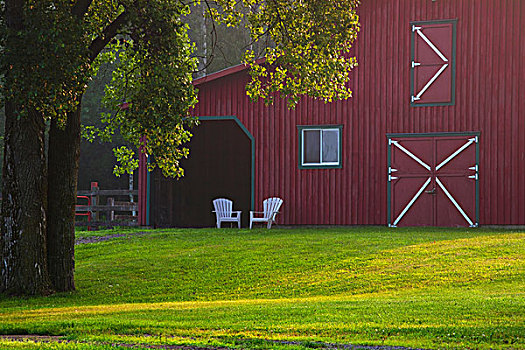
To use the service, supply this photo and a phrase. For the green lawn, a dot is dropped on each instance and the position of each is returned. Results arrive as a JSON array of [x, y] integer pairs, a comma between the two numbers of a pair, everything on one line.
[[287, 289]]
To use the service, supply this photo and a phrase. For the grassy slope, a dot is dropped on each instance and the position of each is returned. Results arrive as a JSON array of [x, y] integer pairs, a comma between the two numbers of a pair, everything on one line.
[[429, 288]]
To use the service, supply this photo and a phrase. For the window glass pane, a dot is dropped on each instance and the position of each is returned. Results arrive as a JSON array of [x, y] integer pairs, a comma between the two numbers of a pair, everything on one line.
[[331, 146], [311, 146]]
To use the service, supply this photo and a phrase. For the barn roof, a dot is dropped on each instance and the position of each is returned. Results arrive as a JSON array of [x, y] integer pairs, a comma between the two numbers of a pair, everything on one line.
[[225, 72], [220, 74]]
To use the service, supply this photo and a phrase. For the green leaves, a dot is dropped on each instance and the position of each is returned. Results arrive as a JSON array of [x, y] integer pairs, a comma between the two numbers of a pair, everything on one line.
[[309, 50], [45, 64], [127, 163], [153, 76]]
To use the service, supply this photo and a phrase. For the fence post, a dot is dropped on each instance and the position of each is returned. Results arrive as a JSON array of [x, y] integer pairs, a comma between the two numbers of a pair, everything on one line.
[[130, 194], [95, 199], [111, 213]]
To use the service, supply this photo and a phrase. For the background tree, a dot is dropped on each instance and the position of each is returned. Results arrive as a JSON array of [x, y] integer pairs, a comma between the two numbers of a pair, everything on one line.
[[52, 48], [96, 157]]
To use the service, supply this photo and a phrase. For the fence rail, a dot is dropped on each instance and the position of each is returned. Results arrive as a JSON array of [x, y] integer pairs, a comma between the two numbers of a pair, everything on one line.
[[113, 213], [107, 207], [107, 193], [96, 224]]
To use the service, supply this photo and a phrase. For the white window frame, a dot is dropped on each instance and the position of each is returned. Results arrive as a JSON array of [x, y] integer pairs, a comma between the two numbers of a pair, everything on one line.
[[321, 164]]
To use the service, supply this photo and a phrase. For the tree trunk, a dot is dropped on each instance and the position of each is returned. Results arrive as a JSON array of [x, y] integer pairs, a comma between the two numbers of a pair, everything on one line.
[[23, 231], [63, 157], [23, 269]]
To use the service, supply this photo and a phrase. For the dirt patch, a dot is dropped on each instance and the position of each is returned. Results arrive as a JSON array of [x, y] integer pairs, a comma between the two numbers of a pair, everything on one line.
[[95, 239], [36, 338]]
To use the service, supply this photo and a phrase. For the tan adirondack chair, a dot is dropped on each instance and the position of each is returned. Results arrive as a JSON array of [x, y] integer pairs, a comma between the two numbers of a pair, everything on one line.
[[224, 213], [271, 208]]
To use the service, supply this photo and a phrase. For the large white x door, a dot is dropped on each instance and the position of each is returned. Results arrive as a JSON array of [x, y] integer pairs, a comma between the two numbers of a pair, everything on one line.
[[433, 180]]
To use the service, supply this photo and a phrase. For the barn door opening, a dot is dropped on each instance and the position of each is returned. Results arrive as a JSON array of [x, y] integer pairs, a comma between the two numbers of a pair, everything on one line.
[[219, 165], [433, 179]]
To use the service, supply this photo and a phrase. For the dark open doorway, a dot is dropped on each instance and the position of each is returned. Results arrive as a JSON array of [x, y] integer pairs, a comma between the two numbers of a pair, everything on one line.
[[219, 165]]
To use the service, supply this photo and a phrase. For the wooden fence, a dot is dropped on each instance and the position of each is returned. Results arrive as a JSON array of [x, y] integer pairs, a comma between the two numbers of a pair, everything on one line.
[[121, 208]]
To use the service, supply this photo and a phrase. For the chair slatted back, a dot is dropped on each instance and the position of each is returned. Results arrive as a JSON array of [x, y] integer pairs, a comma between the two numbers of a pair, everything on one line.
[[223, 207], [271, 205]]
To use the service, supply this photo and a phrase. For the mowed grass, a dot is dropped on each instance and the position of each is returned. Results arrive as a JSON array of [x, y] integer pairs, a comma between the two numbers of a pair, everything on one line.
[[287, 289]]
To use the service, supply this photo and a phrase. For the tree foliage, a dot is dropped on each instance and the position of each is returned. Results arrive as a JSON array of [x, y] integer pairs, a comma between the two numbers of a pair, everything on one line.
[[153, 78], [308, 51], [50, 38], [306, 44], [305, 49]]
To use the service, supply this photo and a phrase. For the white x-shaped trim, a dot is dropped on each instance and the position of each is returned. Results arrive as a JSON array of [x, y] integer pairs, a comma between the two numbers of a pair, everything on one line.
[[432, 46], [458, 151], [438, 73], [418, 96], [440, 184], [456, 204], [410, 154], [416, 196]]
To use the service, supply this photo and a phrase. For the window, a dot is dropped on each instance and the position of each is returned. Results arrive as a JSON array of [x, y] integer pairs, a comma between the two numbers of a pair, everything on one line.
[[432, 72], [320, 146]]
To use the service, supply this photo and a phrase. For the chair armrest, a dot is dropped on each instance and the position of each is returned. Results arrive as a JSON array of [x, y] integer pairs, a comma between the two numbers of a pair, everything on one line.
[[258, 212], [237, 212]]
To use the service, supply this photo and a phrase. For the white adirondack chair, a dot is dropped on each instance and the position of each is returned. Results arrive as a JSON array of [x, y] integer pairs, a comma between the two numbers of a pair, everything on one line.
[[224, 213], [271, 208]]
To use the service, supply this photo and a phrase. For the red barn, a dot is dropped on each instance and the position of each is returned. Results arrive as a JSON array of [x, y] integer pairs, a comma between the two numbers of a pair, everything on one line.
[[433, 135]]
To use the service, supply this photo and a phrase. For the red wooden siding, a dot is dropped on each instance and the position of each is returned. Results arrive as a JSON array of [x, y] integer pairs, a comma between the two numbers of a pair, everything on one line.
[[489, 98]]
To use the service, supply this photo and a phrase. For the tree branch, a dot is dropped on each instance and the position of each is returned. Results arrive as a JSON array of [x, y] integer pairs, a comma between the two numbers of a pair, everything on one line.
[[107, 34], [80, 8]]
